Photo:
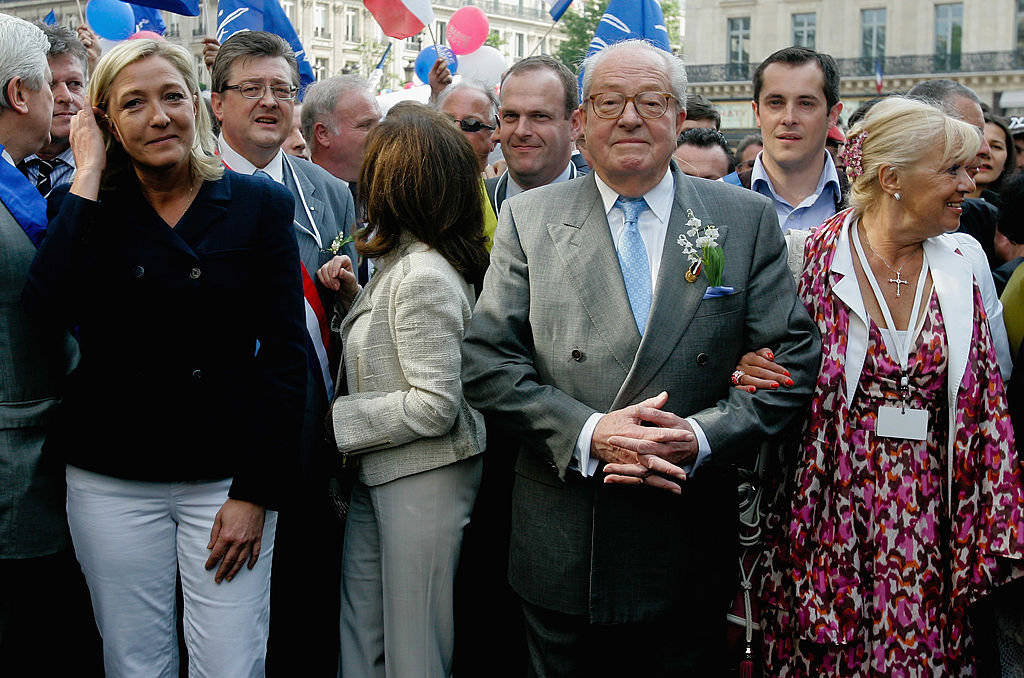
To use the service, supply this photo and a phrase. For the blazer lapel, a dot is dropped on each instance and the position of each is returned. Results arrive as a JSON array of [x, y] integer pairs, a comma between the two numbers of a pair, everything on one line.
[[675, 300], [308, 191], [585, 250], [953, 278]]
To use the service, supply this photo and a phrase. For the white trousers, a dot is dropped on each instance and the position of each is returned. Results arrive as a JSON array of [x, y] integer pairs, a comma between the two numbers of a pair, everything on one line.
[[132, 538], [401, 550]]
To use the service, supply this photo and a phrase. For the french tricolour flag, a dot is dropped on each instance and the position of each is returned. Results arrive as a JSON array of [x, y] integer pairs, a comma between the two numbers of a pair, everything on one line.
[[878, 76], [401, 18]]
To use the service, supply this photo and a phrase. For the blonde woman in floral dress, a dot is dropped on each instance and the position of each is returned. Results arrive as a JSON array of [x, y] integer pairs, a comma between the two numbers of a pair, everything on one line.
[[903, 503]]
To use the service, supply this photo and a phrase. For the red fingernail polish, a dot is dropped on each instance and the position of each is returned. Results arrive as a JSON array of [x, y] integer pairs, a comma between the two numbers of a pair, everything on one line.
[[771, 356], [751, 389], [789, 382], [786, 372], [775, 384]]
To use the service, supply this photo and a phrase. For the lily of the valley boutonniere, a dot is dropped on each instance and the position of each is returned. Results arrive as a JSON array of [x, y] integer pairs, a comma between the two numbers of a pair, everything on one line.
[[339, 241], [704, 252]]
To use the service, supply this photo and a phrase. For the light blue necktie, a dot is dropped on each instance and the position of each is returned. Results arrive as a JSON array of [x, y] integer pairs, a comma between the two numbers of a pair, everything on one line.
[[262, 173], [636, 268]]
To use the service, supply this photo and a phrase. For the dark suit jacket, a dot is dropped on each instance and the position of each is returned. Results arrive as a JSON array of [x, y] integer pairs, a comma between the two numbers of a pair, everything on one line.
[[553, 341], [171, 385], [496, 187], [979, 220]]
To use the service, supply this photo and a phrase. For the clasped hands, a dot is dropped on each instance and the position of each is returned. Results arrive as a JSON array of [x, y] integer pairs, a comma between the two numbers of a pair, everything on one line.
[[645, 455], [338, 275]]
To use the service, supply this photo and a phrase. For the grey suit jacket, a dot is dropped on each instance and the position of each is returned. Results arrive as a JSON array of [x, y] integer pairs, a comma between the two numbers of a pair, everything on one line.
[[405, 412], [553, 341], [330, 203], [34, 359]]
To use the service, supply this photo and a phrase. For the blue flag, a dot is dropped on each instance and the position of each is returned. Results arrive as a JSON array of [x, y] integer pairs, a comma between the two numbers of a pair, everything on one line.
[[183, 7], [50, 19], [235, 16], [626, 19], [558, 8], [148, 19]]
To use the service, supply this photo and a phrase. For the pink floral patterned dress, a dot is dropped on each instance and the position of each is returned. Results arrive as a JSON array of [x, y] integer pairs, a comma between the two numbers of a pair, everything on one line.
[[869, 572]]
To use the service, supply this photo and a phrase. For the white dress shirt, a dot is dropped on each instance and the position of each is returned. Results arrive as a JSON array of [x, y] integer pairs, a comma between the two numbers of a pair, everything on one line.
[[234, 161]]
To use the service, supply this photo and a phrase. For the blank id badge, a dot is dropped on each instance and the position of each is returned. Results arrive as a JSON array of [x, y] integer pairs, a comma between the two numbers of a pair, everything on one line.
[[899, 422]]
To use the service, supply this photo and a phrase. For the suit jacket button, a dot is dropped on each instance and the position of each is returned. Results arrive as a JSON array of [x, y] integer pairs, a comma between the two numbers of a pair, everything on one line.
[[195, 273], [197, 375], [576, 354], [702, 359], [138, 271]]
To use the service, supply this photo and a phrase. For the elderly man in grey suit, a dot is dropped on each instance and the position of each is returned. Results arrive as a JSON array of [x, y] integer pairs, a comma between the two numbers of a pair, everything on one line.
[[255, 81], [592, 340], [38, 572]]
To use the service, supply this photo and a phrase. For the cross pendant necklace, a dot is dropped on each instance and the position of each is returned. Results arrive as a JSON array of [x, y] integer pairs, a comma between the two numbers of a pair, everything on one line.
[[897, 280]]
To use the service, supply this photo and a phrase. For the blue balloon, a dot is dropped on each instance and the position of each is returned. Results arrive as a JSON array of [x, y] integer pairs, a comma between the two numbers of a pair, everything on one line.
[[425, 60], [110, 19]]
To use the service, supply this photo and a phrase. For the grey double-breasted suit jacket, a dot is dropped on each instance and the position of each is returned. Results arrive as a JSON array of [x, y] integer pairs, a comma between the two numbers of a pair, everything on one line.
[[553, 341], [35, 358]]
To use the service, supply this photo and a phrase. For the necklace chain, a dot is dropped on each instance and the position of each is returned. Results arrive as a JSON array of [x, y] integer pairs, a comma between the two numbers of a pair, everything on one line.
[[192, 187], [897, 281]]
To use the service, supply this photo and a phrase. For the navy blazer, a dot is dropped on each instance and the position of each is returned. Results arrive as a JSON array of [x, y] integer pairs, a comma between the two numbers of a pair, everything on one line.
[[192, 338]]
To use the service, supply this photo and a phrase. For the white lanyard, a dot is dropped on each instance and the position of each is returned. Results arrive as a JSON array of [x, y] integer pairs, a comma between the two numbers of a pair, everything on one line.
[[902, 352], [302, 197]]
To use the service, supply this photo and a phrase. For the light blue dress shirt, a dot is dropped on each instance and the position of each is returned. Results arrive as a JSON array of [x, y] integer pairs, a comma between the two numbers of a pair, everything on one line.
[[814, 209]]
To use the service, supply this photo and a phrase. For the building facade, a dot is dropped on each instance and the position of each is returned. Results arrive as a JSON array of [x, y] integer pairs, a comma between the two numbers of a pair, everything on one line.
[[977, 42], [341, 36]]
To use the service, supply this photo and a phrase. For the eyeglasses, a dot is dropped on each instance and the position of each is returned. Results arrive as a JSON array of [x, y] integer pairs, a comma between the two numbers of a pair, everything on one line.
[[256, 90], [472, 125], [650, 105]]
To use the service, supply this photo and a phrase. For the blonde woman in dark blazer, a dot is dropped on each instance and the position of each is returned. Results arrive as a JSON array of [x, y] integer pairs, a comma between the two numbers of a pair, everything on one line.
[[404, 422]]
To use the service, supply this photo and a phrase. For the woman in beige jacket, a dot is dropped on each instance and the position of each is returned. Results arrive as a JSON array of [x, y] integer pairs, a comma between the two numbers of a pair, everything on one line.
[[404, 423]]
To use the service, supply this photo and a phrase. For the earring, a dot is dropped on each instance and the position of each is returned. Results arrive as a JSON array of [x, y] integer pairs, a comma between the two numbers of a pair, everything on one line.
[[897, 197]]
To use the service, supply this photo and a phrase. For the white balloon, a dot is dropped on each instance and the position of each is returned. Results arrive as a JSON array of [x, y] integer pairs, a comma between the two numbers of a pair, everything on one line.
[[484, 66]]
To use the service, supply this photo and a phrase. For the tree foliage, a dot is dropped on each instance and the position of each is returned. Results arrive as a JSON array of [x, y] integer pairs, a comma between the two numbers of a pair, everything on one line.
[[579, 27]]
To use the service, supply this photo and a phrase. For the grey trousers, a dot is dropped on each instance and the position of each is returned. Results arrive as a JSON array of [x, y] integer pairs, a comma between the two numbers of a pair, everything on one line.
[[402, 542]]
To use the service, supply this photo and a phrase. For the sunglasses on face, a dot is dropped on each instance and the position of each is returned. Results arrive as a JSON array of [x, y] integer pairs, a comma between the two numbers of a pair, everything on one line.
[[472, 125]]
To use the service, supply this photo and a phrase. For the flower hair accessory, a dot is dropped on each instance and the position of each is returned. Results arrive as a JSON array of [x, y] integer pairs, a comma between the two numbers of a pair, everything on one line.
[[851, 155]]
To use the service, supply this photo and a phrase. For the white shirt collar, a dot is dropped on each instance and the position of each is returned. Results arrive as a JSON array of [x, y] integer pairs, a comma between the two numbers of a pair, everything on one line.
[[659, 199], [512, 188], [8, 158], [235, 161]]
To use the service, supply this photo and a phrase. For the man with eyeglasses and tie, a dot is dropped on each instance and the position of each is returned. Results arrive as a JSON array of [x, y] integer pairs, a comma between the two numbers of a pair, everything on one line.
[[255, 82], [606, 351], [54, 164]]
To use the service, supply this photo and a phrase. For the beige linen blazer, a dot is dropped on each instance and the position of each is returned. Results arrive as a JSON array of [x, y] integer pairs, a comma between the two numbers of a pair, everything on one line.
[[404, 412]]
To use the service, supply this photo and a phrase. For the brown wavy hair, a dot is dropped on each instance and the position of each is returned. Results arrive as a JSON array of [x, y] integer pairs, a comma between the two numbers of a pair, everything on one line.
[[420, 176]]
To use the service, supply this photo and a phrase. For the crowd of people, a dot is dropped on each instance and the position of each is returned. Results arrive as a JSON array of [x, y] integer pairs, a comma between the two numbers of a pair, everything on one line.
[[332, 394]]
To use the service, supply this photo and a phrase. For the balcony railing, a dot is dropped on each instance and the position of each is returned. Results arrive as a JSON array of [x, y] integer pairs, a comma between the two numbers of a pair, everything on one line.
[[929, 64], [508, 9]]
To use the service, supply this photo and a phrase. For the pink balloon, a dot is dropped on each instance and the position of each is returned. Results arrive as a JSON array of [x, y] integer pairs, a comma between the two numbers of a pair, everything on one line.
[[467, 30], [145, 35]]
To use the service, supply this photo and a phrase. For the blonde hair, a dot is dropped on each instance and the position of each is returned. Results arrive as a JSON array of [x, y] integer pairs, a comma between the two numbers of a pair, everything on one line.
[[203, 163], [900, 133]]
